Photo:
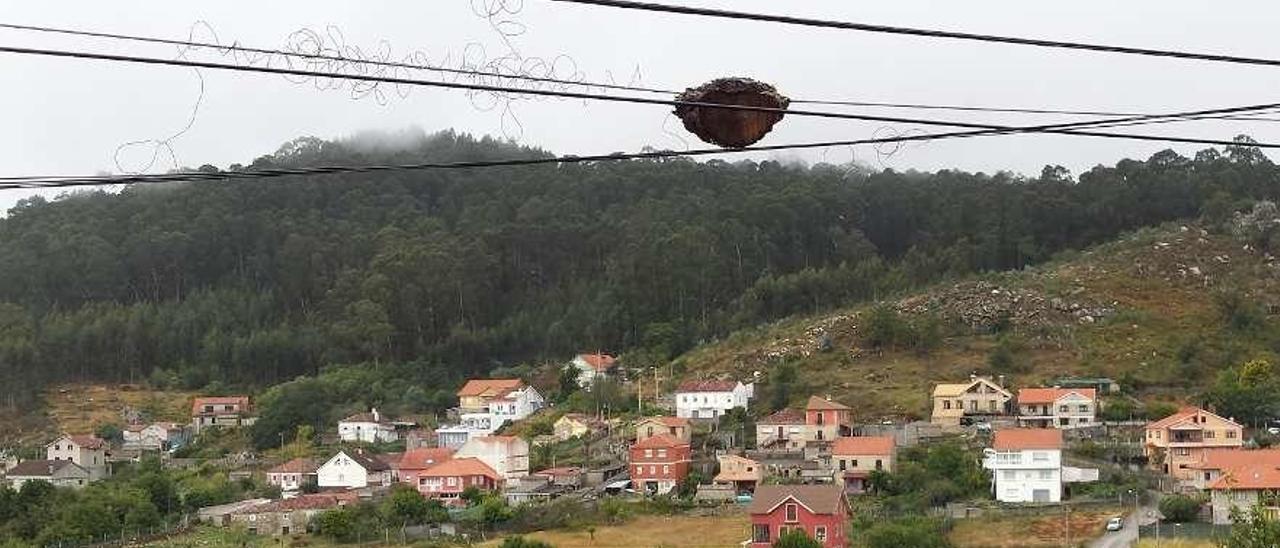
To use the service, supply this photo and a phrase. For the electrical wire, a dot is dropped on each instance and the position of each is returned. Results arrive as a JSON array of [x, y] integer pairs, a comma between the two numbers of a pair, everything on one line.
[[1065, 129], [928, 33], [581, 83]]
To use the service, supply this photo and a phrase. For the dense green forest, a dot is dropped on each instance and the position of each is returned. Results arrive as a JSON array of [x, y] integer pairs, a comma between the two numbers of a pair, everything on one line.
[[463, 271]]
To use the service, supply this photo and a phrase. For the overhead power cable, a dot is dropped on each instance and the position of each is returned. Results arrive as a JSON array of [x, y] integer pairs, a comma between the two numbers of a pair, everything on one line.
[[1065, 129], [927, 33], [564, 82]]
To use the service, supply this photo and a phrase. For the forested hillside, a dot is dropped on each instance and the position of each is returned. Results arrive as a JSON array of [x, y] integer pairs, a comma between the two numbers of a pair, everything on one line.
[[459, 272]]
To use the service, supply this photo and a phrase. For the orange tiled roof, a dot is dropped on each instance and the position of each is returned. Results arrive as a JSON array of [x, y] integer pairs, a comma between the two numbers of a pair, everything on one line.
[[1017, 439], [599, 362], [1182, 415], [1224, 459], [822, 403], [496, 387], [423, 458], [863, 445], [296, 466], [1050, 395], [785, 415], [1253, 476], [469, 466]]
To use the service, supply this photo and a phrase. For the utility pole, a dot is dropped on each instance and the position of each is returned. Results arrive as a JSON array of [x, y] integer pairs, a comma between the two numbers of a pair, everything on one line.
[[640, 396], [655, 387]]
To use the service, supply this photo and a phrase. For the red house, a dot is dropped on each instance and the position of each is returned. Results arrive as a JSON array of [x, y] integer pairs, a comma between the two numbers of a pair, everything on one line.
[[820, 511], [658, 463], [416, 461], [447, 480], [828, 419]]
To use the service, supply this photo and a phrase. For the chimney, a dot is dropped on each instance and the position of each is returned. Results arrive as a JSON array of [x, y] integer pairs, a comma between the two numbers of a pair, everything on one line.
[[973, 377], [1000, 381], [374, 410]]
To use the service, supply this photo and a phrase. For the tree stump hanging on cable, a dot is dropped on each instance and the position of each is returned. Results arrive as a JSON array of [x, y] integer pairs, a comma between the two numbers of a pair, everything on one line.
[[731, 128]]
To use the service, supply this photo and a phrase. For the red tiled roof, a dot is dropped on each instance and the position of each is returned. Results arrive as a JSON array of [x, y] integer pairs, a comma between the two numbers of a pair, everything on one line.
[[817, 403], [1223, 459], [1017, 439], [309, 501], [468, 466], [197, 405], [707, 386], [1181, 416], [599, 362], [494, 387], [1050, 395], [296, 466], [1252, 476], [783, 416], [819, 499], [423, 458], [670, 422], [863, 445], [657, 442]]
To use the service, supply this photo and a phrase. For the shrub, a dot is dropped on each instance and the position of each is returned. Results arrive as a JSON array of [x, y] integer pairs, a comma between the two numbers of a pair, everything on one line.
[[914, 532], [796, 538], [1180, 508]]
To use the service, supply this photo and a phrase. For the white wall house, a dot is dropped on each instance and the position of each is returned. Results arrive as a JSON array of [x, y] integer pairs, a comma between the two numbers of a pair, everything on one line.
[[1026, 465], [371, 427], [1057, 407], [352, 471], [592, 366], [157, 436], [59, 473], [510, 406], [507, 455], [87, 451], [710, 399]]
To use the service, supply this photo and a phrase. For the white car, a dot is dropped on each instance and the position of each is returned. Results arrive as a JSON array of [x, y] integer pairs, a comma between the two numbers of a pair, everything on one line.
[[1274, 430], [1115, 524]]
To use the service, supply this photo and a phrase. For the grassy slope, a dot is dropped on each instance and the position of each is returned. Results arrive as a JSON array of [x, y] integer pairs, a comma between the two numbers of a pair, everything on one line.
[[1156, 289]]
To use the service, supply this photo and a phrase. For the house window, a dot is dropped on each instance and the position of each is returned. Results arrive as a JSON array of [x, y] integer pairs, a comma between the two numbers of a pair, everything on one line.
[[650, 432], [1039, 457], [842, 465], [1206, 476], [653, 470], [1084, 408], [821, 416], [879, 464], [1231, 434], [820, 435], [1063, 408], [1182, 451], [1010, 475], [1208, 434], [792, 513], [991, 405], [760, 533], [1064, 421], [648, 453], [1157, 434], [946, 404], [1046, 474], [820, 533], [662, 453], [853, 463], [666, 469], [639, 470], [451, 481]]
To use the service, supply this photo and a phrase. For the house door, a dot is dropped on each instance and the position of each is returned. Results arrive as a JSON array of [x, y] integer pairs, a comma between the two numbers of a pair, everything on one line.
[[1040, 495]]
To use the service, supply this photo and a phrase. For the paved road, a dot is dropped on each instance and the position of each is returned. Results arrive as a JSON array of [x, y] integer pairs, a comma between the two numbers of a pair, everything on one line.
[[1128, 536]]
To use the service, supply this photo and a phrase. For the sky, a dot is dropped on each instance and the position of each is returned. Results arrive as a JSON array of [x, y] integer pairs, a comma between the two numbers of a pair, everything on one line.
[[71, 117]]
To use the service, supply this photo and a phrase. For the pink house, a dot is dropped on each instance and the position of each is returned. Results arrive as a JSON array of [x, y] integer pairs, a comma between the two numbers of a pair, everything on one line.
[[416, 461], [819, 511], [446, 481]]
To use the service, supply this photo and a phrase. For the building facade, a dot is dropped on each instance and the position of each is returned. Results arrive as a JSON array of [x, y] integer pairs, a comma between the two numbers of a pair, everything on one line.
[[742, 473], [1174, 444], [353, 470], [1057, 407], [508, 456], [221, 412], [590, 367], [854, 459], [293, 475], [676, 427], [827, 419], [86, 451], [658, 464], [446, 481], [819, 511], [980, 397], [784, 429], [711, 399], [1026, 465], [371, 427], [59, 473]]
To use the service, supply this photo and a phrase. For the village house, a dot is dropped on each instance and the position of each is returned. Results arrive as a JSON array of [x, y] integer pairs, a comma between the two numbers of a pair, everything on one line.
[[157, 436], [675, 427], [1057, 407], [292, 475], [979, 398], [576, 425], [371, 427], [416, 461], [59, 473], [819, 511], [221, 412], [446, 481], [86, 450], [658, 464], [453, 436], [1174, 443], [1026, 465], [784, 429], [1239, 480], [854, 459], [508, 456], [742, 473], [288, 516], [591, 367], [827, 419], [565, 476], [353, 470], [710, 399], [487, 404]]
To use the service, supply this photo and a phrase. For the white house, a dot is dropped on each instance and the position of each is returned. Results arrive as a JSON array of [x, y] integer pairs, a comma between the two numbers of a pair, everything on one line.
[[710, 399], [592, 366], [292, 475], [60, 473], [371, 427], [508, 406], [1057, 407], [507, 455], [1026, 465], [157, 436], [87, 451], [353, 470]]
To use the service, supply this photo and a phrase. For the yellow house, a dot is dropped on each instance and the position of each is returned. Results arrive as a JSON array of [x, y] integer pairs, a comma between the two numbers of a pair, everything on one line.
[[978, 397], [742, 472], [675, 427], [574, 425], [477, 393], [1177, 444]]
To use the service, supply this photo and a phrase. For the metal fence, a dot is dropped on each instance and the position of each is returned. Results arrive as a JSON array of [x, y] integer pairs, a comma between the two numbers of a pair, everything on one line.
[[1196, 530]]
